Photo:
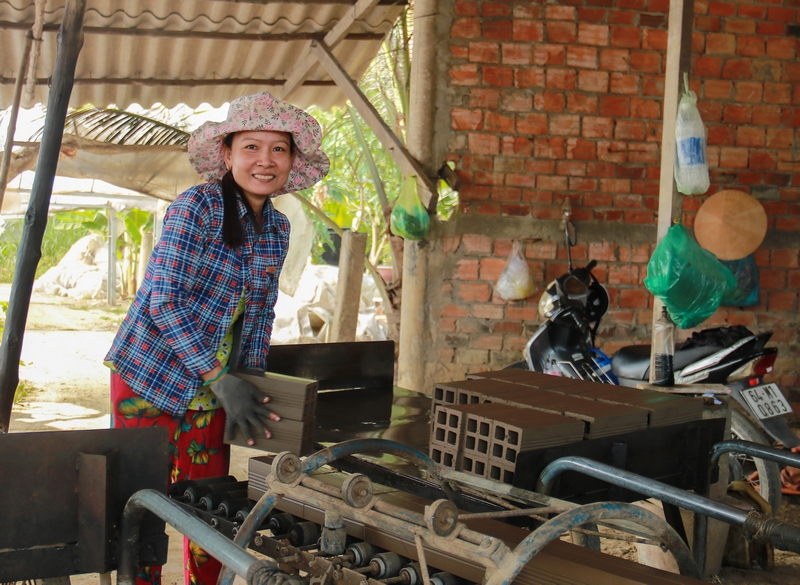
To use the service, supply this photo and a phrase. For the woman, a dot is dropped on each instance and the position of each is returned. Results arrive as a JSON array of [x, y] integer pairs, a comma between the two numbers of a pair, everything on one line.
[[209, 293]]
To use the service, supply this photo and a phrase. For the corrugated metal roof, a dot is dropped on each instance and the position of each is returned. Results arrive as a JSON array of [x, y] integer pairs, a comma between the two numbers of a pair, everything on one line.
[[193, 52]]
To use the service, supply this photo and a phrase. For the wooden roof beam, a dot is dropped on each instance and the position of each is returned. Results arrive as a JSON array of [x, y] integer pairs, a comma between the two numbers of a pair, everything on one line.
[[332, 38], [176, 82], [396, 149]]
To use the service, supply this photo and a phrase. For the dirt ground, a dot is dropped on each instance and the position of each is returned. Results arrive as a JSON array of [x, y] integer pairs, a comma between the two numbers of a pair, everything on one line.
[[66, 387]]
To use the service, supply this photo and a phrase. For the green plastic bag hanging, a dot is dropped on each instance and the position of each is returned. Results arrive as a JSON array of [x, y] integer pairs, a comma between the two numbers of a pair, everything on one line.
[[687, 278], [409, 217]]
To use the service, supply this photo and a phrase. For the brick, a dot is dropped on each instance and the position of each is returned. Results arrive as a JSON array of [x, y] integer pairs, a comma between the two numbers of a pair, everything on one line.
[[465, 28], [720, 44], [740, 27], [527, 30], [581, 184], [733, 158], [629, 130], [639, 217], [527, 11], [571, 168], [581, 149], [549, 101], [767, 70], [529, 77], [625, 37], [778, 93], [551, 183], [466, 119], [784, 259], [517, 54], [484, 53], [561, 78], [516, 101], [762, 161], [597, 127], [506, 194], [560, 13], [734, 114], [612, 151], [578, 56], [714, 89], [771, 28], [708, 23], [546, 54], [751, 46], [494, 9], [616, 186], [782, 48], [779, 138], [561, 32], [549, 148], [464, 75], [593, 81], [483, 143], [721, 135], [579, 103], [452, 310], [500, 29], [710, 112], [782, 301], [615, 59], [466, 269], [646, 62], [721, 9], [459, 52], [643, 153], [788, 15], [748, 91], [516, 146], [737, 69], [532, 124], [624, 84], [565, 125], [752, 12], [652, 20], [707, 66], [593, 34], [466, 8], [498, 76], [482, 178], [473, 192], [645, 108], [586, 15], [654, 39], [751, 136], [615, 106], [484, 98], [622, 17]]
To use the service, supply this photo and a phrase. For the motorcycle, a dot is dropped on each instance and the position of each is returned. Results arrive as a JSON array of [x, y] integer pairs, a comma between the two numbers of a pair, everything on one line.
[[572, 307]]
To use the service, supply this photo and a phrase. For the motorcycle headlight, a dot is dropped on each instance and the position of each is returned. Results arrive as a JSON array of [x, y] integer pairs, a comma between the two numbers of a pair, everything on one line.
[[548, 303]]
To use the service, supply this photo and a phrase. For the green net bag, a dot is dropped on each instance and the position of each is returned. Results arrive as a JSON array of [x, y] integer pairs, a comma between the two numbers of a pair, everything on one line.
[[409, 218]]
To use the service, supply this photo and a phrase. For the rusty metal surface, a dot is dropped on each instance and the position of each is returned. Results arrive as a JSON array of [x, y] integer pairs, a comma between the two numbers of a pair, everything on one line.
[[53, 500]]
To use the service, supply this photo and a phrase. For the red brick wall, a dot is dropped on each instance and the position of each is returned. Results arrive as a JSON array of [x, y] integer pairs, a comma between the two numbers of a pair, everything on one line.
[[564, 101]]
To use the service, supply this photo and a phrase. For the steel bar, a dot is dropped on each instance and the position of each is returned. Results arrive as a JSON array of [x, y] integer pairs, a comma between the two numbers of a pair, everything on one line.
[[222, 549], [781, 456], [512, 564], [512, 513], [70, 42], [13, 113], [173, 82]]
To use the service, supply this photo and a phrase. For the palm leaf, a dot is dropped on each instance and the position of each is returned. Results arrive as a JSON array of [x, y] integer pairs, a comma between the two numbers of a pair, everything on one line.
[[115, 126]]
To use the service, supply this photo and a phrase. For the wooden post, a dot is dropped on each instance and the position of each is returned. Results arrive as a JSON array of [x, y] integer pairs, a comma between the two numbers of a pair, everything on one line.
[[679, 54], [70, 42], [348, 288], [12, 115]]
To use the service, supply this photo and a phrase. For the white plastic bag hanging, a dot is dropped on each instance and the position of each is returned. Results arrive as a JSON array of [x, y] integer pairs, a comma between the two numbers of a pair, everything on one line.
[[516, 281], [691, 162]]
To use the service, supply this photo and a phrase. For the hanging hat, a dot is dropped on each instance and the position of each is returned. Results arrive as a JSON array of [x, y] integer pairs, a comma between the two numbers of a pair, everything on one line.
[[262, 112], [731, 225]]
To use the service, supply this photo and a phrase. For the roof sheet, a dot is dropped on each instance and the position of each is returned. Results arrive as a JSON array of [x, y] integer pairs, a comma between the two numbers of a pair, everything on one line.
[[192, 52]]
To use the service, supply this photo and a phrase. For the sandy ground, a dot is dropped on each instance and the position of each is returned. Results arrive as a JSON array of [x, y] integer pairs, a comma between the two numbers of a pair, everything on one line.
[[66, 387]]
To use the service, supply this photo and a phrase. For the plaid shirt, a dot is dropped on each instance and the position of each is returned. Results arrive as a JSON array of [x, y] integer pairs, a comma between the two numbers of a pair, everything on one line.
[[189, 295]]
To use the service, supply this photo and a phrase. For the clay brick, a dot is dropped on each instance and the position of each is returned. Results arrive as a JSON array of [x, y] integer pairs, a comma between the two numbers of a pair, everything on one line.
[[740, 27], [517, 54], [751, 136], [597, 200], [545, 54], [516, 146], [483, 143], [762, 161], [721, 9], [722, 135], [625, 37], [498, 76], [466, 8], [782, 14], [784, 259], [616, 186], [750, 46], [737, 69], [714, 89], [591, 15], [629, 130], [643, 153], [578, 56], [733, 114], [646, 62], [561, 78], [473, 292], [520, 180], [733, 158], [645, 108], [551, 183], [527, 11], [465, 28], [652, 20], [748, 91], [527, 30], [778, 93], [615, 106], [707, 66], [474, 192], [593, 81], [490, 179], [466, 119], [484, 53], [624, 84], [495, 9], [549, 148], [597, 127], [452, 310], [466, 269], [771, 28], [464, 75], [484, 98], [499, 30], [593, 34], [752, 12], [549, 101], [579, 103], [791, 117], [654, 39], [560, 13], [561, 32], [581, 149], [708, 23], [532, 124], [782, 301], [565, 125], [782, 48], [622, 17], [494, 122], [720, 44], [529, 77], [612, 151], [581, 184], [779, 138], [615, 59], [571, 168]]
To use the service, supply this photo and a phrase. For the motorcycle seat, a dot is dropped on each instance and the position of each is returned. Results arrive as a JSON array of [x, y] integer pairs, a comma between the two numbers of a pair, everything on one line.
[[633, 361]]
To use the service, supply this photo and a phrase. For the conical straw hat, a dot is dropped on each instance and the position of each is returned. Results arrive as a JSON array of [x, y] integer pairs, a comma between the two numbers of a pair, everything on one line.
[[731, 225]]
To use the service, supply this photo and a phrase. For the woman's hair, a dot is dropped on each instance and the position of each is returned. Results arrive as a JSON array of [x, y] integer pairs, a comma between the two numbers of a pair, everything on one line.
[[232, 230]]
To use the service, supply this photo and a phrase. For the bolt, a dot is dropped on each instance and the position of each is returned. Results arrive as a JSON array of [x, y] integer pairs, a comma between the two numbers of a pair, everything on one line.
[[258, 541], [283, 551]]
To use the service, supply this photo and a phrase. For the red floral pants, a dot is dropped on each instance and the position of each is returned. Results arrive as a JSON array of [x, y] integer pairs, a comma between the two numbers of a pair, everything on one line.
[[196, 450]]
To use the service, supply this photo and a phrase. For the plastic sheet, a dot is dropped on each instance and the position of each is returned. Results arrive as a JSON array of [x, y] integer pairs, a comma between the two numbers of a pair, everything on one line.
[[515, 282]]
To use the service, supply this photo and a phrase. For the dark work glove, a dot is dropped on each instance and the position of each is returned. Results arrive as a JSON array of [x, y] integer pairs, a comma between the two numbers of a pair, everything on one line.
[[243, 407]]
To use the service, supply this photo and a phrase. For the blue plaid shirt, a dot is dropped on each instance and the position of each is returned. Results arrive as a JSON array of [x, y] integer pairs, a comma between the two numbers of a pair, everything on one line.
[[186, 303]]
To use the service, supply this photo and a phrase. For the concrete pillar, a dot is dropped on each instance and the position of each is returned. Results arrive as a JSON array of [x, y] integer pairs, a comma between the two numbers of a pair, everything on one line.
[[348, 288]]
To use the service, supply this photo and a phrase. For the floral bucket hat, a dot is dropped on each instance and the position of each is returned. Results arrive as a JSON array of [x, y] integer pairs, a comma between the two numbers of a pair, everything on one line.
[[262, 112]]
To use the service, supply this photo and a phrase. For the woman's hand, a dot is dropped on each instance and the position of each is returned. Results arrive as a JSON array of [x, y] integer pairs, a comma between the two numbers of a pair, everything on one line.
[[244, 407]]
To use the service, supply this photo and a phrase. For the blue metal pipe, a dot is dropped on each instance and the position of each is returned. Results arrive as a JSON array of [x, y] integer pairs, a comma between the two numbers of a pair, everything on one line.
[[218, 546], [756, 450], [551, 530]]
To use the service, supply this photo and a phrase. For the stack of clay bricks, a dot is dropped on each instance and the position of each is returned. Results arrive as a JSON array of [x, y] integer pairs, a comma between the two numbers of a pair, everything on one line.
[[481, 425], [295, 400]]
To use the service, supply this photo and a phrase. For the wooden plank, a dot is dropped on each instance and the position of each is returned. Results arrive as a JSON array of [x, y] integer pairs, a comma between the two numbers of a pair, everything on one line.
[[308, 61], [396, 149], [348, 287]]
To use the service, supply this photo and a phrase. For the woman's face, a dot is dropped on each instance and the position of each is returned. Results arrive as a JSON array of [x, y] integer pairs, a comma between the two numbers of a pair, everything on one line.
[[260, 162]]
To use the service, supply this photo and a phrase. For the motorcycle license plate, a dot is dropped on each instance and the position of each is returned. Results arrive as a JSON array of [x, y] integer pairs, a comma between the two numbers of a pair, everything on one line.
[[766, 401]]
